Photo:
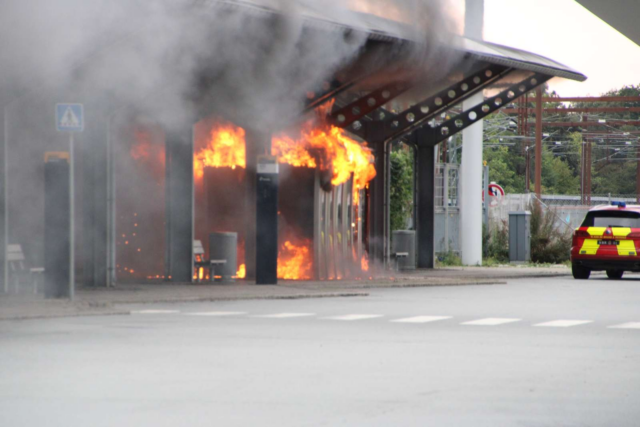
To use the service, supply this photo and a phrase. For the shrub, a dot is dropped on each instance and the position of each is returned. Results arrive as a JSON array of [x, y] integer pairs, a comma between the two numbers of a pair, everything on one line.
[[495, 244], [549, 243], [449, 259]]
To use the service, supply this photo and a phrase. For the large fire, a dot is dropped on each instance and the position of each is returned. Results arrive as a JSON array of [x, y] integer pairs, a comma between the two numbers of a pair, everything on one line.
[[333, 150], [315, 146], [325, 146], [295, 261], [226, 148]]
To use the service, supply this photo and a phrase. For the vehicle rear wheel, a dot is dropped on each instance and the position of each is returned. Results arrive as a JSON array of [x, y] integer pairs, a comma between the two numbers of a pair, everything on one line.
[[579, 272], [615, 274]]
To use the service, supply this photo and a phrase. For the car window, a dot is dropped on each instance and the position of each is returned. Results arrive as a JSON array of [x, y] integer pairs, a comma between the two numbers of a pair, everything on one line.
[[612, 219]]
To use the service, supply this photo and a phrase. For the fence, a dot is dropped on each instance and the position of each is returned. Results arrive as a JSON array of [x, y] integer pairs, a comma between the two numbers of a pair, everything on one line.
[[447, 211], [569, 210]]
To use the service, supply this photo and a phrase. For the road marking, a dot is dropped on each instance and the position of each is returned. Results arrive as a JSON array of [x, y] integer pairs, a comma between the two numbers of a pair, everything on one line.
[[217, 313], [421, 319], [285, 315], [491, 321], [155, 312], [355, 317], [630, 325], [563, 323]]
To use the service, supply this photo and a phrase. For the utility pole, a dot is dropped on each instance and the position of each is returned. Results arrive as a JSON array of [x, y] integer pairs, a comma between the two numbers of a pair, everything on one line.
[[588, 171], [638, 174], [538, 141]]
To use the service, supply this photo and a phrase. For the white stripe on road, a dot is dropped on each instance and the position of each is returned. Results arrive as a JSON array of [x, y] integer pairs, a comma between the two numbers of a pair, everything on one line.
[[630, 325], [491, 321], [155, 312], [217, 313], [355, 317], [563, 323], [421, 319], [285, 315]]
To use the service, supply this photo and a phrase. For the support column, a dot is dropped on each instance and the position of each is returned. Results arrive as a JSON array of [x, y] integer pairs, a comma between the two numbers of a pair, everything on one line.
[[180, 212], [471, 189], [92, 143], [471, 166], [377, 207], [425, 224]]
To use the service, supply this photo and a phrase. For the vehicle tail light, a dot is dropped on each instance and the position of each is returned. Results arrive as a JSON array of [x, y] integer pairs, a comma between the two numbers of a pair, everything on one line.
[[635, 236], [580, 235]]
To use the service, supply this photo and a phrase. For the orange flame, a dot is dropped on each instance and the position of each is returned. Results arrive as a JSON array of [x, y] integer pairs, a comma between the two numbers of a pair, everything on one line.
[[242, 272], [291, 152], [364, 263], [226, 148], [294, 261], [325, 146], [334, 150]]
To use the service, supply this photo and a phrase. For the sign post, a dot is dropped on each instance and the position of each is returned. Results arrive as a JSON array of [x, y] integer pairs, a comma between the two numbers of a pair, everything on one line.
[[497, 194], [70, 118]]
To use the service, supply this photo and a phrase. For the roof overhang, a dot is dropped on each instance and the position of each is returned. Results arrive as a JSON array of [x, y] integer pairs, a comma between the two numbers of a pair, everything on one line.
[[620, 14], [385, 30]]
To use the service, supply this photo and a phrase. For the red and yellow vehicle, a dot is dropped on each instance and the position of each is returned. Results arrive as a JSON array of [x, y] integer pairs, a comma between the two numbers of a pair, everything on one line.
[[609, 240]]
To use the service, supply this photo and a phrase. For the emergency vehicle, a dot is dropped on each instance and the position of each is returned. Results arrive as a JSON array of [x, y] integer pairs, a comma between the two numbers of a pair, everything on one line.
[[609, 240]]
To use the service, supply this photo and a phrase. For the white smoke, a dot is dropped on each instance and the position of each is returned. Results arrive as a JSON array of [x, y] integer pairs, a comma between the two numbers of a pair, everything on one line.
[[175, 61], [255, 66]]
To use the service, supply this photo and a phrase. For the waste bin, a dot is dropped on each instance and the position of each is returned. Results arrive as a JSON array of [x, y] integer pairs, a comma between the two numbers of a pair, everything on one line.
[[404, 241], [224, 246], [520, 236]]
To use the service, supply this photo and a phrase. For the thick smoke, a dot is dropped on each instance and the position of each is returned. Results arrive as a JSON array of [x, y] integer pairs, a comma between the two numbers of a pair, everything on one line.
[[175, 62], [179, 54]]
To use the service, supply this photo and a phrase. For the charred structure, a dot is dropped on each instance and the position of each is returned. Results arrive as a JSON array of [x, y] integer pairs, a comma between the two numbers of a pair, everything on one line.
[[263, 69]]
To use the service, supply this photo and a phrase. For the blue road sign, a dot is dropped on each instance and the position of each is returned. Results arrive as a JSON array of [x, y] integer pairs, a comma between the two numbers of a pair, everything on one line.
[[70, 117]]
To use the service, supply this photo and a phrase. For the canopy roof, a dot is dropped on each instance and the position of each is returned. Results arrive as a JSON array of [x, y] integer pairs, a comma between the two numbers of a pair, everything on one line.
[[620, 14], [386, 30]]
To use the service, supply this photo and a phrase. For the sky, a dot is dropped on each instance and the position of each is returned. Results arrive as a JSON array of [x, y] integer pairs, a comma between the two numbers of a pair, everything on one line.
[[565, 31]]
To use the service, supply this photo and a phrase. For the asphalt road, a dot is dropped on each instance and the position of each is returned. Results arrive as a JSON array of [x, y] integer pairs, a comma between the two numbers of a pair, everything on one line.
[[539, 352]]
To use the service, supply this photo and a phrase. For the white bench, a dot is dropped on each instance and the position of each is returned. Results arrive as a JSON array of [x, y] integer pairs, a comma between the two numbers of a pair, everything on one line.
[[18, 271], [199, 262]]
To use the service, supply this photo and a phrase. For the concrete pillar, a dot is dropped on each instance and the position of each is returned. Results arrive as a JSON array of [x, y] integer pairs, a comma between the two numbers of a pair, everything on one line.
[[180, 211], [471, 166], [425, 223], [471, 190]]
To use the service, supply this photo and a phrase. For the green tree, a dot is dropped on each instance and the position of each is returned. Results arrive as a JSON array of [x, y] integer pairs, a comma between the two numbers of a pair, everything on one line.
[[401, 187]]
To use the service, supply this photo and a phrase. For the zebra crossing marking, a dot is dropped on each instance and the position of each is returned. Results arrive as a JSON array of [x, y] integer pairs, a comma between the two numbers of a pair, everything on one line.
[[217, 313], [155, 312], [351, 317], [491, 321], [563, 323], [284, 315], [421, 319], [630, 325]]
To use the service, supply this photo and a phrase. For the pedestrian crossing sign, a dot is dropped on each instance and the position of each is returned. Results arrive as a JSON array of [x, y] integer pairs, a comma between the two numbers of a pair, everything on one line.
[[70, 117]]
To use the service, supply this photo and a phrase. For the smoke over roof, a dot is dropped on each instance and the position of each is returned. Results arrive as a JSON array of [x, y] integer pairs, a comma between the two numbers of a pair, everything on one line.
[[255, 63]]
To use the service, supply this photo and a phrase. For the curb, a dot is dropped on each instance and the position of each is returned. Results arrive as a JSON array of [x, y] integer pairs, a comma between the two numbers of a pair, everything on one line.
[[60, 315], [316, 295]]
